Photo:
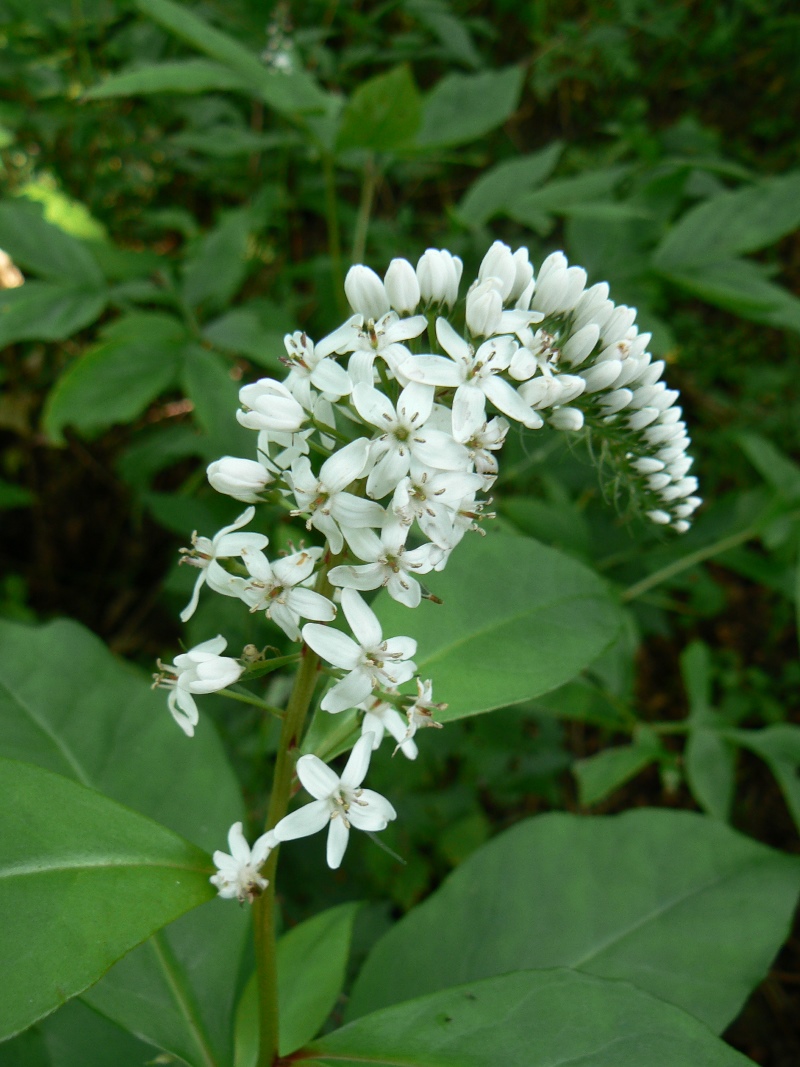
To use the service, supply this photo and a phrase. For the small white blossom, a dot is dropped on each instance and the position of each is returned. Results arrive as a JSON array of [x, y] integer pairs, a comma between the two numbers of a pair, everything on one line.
[[381, 715], [268, 405], [365, 292], [204, 554], [371, 661], [402, 287], [340, 802], [237, 874], [276, 590], [200, 670]]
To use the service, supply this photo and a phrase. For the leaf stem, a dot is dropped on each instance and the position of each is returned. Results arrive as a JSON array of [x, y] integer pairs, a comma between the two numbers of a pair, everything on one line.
[[334, 234], [365, 209], [245, 697]]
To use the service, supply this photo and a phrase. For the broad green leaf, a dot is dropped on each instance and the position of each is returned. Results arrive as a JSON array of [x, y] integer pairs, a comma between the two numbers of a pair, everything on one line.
[[464, 107], [741, 287], [75, 1036], [504, 183], [528, 1019], [312, 960], [383, 113], [733, 223], [779, 747], [115, 380], [710, 764], [675, 903], [288, 92], [46, 249], [208, 384], [255, 330], [117, 877], [217, 266], [68, 705], [451, 31], [47, 311], [518, 619], [601, 774], [559, 196], [178, 76]]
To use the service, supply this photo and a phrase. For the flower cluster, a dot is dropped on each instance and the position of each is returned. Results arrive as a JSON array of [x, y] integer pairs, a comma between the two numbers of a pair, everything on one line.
[[383, 438]]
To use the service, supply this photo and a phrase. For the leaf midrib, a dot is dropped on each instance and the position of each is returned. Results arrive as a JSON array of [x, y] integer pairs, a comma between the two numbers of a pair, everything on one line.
[[70, 758]]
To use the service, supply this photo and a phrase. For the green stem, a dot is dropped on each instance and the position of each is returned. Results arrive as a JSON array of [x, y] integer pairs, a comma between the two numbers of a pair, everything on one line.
[[264, 907], [687, 562], [244, 697], [334, 235], [365, 209]]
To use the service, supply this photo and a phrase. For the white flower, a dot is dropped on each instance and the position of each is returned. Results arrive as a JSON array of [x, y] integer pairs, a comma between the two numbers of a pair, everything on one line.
[[340, 803], [475, 376], [237, 874], [224, 544], [367, 339], [200, 670], [404, 435], [268, 405], [434, 500], [276, 590], [309, 369], [421, 712], [438, 274], [330, 507], [371, 661], [381, 715], [243, 479], [388, 563]]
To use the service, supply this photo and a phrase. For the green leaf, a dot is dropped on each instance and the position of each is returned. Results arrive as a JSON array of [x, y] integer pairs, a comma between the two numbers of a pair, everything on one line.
[[14, 496], [115, 380], [675, 903], [312, 961], [45, 248], [68, 705], [696, 673], [505, 182], [779, 747], [208, 384], [741, 287], [75, 1036], [774, 466], [117, 877], [464, 107], [560, 196], [601, 774], [255, 330], [288, 92], [527, 1019], [383, 113], [178, 76], [710, 764], [518, 620], [217, 266], [46, 311], [733, 223]]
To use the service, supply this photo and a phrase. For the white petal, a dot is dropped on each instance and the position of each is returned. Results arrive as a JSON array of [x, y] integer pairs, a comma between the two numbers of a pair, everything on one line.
[[334, 646], [355, 511], [387, 472], [362, 619], [432, 370], [345, 465], [311, 605], [469, 411], [191, 607], [347, 693], [358, 764], [368, 576], [373, 406], [329, 377], [338, 835], [240, 850], [303, 822], [317, 777], [376, 809], [508, 400]]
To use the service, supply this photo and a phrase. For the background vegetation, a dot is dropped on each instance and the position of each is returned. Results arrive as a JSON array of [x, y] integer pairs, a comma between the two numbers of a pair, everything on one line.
[[181, 185]]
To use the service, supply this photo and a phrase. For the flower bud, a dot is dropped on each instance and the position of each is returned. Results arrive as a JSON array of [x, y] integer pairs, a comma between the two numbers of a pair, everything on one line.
[[438, 273], [567, 419], [402, 286], [365, 292], [484, 308], [523, 279], [270, 406], [243, 479], [498, 263]]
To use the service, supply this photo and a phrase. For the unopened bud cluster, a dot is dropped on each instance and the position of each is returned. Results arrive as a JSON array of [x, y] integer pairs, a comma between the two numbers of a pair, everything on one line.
[[384, 444]]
